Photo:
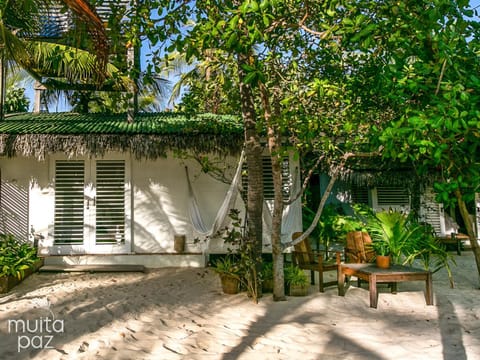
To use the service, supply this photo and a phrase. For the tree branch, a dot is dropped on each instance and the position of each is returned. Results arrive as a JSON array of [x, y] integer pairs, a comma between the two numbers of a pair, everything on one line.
[[326, 194]]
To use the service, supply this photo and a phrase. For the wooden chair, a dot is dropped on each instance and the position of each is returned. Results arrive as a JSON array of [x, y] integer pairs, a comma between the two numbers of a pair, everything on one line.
[[357, 248], [307, 259]]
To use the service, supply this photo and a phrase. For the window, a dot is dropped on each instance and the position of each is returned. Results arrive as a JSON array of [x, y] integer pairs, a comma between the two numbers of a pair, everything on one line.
[[268, 189]]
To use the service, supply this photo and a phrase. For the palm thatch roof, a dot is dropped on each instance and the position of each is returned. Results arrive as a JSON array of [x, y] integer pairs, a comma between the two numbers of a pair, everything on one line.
[[151, 135], [376, 171]]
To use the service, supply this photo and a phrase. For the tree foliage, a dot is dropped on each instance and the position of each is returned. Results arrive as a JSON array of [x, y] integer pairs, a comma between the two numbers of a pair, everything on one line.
[[340, 78]]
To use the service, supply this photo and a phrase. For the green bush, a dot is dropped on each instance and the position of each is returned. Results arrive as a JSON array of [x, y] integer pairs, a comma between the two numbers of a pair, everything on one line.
[[295, 276], [267, 270], [15, 256], [227, 266]]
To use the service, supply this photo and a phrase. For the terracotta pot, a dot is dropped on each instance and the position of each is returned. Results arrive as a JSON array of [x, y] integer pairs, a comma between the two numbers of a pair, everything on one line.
[[230, 284], [383, 262], [299, 290]]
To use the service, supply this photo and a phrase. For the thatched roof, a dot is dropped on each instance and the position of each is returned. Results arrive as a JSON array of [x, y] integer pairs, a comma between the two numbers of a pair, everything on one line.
[[376, 171], [151, 135]]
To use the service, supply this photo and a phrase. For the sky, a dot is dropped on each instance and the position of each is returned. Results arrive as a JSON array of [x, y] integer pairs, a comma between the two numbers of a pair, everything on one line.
[[63, 106]]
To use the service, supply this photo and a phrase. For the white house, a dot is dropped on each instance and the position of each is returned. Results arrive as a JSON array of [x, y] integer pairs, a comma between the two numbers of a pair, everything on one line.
[[401, 190], [95, 189]]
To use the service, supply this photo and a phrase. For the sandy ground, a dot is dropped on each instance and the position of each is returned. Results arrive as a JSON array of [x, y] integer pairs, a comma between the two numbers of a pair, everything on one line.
[[181, 313]]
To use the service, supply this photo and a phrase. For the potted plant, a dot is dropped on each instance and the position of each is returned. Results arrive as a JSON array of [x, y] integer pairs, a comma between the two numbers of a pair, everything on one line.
[[382, 253], [18, 260], [297, 281], [229, 273], [267, 277]]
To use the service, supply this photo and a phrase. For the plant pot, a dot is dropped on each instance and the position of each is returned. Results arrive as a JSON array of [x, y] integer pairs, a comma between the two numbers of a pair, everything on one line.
[[9, 282], [299, 290], [230, 284], [383, 262]]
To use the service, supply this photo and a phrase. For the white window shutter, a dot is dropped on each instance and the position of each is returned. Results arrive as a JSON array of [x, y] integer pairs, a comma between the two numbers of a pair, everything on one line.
[[432, 212], [69, 202]]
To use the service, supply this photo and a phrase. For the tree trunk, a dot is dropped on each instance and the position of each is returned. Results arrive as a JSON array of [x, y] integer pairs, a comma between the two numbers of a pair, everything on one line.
[[470, 229], [3, 75], [274, 147], [253, 152]]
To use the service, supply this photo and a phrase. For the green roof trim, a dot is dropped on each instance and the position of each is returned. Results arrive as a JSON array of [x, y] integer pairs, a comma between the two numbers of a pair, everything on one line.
[[150, 135]]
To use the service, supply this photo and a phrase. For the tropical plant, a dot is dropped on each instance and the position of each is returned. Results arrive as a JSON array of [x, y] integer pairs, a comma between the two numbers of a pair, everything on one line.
[[241, 258], [74, 62], [295, 276], [227, 265], [20, 22], [16, 100], [15, 256], [407, 240], [393, 229], [207, 86], [267, 270], [381, 247]]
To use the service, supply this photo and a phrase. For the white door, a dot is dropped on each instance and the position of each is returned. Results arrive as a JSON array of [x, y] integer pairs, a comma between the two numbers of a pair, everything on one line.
[[91, 207]]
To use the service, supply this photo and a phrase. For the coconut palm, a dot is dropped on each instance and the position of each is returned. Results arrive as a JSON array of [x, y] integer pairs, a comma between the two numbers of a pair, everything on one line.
[[20, 24], [53, 64], [208, 86]]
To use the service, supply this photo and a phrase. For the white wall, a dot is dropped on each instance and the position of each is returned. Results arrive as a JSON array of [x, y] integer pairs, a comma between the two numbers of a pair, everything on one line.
[[161, 203], [31, 178], [159, 198]]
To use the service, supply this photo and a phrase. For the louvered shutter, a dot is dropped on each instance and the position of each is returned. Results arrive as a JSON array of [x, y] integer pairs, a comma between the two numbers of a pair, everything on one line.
[[69, 202], [110, 202], [359, 195], [268, 189], [431, 212], [390, 197]]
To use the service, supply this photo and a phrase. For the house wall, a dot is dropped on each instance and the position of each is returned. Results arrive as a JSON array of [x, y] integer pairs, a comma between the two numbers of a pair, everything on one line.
[[161, 201], [159, 197], [22, 180]]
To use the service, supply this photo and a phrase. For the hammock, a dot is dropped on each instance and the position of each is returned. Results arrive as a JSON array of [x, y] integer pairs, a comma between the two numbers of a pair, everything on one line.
[[222, 213], [290, 216]]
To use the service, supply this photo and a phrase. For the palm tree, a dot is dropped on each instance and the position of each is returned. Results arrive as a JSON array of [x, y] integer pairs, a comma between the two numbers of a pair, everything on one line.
[[206, 86], [54, 64]]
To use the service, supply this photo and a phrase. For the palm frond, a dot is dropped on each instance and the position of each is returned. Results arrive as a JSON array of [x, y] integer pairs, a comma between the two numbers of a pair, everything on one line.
[[75, 66]]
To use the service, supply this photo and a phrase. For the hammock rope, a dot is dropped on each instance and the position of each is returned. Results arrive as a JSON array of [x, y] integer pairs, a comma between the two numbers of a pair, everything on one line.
[[222, 213]]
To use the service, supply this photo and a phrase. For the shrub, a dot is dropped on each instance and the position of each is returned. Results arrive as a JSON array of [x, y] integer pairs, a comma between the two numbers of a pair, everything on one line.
[[15, 256]]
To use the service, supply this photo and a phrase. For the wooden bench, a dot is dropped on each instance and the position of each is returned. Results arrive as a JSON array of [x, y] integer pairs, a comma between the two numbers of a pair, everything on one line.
[[454, 239]]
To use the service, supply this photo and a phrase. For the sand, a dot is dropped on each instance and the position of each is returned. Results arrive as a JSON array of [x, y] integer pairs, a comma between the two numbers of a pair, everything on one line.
[[181, 313]]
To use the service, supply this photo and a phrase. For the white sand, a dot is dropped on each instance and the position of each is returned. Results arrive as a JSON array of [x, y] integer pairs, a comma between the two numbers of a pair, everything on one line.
[[179, 313]]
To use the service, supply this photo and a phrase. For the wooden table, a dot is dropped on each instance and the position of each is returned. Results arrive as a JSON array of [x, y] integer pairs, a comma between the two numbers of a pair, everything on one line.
[[375, 275], [455, 239]]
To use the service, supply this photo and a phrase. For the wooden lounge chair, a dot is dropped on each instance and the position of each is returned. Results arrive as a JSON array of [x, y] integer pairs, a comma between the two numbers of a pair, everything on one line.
[[357, 249], [307, 259]]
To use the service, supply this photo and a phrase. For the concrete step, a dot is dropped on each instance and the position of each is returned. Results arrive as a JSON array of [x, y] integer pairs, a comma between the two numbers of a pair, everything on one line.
[[93, 268]]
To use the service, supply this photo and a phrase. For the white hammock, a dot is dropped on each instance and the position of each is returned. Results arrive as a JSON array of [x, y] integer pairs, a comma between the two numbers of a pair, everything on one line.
[[290, 216], [222, 213]]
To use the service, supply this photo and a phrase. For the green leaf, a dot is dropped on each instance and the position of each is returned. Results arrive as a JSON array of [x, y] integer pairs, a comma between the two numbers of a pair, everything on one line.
[[232, 41], [249, 79]]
